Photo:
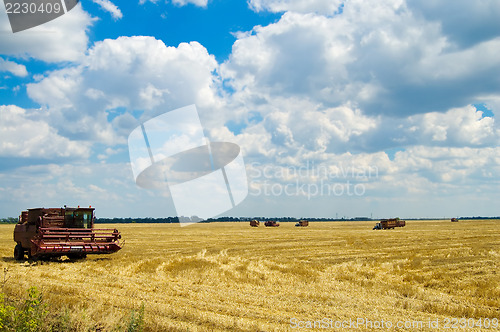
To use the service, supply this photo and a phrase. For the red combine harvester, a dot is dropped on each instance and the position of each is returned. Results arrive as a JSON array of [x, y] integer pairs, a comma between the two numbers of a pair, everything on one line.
[[64, 231], [254, 223], [271, 223], [302, 223]]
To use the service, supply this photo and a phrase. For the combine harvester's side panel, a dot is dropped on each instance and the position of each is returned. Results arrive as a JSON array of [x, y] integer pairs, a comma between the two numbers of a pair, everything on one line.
[[62, 231]]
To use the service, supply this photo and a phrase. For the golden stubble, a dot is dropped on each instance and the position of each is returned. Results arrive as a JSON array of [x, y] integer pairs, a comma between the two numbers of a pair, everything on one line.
[[230, 276]]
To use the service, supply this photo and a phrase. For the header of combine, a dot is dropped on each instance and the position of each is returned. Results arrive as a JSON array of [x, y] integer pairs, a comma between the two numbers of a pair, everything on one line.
[[45, 232]]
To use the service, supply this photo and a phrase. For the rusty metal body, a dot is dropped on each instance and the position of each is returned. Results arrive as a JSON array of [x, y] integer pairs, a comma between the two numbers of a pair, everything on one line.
[[44, 232], [302, 223], [254, 223], [390, 223], [271, 223]]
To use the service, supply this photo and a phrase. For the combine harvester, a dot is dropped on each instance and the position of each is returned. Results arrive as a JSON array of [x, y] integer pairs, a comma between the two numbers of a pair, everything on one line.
[[390, 223], [54, 232], [302, 223], [271, 223], [254, 223]]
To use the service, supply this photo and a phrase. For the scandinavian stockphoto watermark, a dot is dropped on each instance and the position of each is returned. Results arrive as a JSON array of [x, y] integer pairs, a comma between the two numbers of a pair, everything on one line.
[[27, 14], [310, 180], [365, 323], [171, 153]]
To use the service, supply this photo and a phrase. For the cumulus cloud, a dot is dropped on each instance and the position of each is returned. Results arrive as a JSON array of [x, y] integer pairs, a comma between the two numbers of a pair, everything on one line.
[[131, 73], [13, 68], [462, 168], [380, 56], [199, 3], [463, 24], [326, 7], [458, 127], [330, 83], [378, 75], [110, 7], [63, 39], [22, 136], [105, 186]]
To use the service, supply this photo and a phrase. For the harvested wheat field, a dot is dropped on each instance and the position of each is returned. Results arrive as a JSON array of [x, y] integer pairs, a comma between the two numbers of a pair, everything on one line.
[[233, 277]]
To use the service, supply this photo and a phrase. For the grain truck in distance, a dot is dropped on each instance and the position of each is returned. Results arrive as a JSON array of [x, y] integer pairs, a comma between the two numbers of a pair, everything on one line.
[[52, 232], [390, 223]]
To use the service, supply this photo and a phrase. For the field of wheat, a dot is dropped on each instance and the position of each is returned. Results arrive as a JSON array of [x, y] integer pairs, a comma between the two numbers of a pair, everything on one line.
[[230, 276]]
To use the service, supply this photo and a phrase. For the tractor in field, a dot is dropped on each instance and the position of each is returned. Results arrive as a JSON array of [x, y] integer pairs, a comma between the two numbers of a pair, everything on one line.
[[271, 223], [390, 223], [302, 223], [52, 232], [254, 223]]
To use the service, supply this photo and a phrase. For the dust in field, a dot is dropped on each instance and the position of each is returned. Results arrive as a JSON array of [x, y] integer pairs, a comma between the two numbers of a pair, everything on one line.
[[229, 276]]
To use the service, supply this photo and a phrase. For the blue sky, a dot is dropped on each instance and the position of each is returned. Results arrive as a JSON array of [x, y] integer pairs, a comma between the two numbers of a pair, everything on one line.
[[212, 26], [388, 107]]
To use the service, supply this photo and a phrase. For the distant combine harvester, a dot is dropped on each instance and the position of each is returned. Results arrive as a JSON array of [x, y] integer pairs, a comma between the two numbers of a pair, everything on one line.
[[302, 223], [390, 223], [272, 223], [454, 220], [254, 223]]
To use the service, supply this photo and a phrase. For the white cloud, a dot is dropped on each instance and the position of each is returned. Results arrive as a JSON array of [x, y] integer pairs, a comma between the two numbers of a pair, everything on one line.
[[376, 55], [23, 136], [326, 7], [343, 89], [13, 68], [319, 86], [110, 7], [463, 24], [107, 187], [464, 169], [63, 39], [458, 127], [134, 73], [199, 3]]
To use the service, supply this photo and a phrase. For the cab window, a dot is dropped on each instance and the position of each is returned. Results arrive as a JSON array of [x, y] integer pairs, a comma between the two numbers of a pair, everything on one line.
[[82, 219]]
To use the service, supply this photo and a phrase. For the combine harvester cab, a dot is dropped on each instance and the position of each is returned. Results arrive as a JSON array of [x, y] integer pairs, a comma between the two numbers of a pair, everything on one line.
[[65, 231]]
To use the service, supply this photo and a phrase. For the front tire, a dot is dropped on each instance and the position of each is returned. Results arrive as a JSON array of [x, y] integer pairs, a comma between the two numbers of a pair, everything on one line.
[[19, 252]]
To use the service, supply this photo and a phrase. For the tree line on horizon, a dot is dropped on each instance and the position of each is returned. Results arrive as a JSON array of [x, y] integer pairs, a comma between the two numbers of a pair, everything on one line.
[[173, 220]]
